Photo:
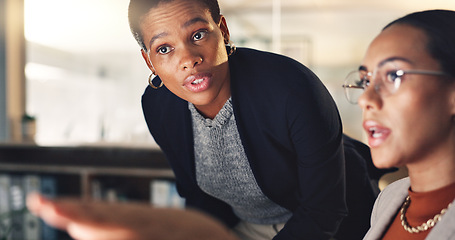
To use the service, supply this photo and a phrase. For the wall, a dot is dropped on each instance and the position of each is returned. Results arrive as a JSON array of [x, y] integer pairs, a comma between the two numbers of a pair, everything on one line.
[[3, 120]]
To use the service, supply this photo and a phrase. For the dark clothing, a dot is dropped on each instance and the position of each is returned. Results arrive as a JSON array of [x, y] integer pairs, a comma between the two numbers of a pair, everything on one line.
[[292, 135], [361, 189]]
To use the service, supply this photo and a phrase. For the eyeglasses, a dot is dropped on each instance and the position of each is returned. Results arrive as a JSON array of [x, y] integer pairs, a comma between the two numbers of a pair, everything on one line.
[[387, 80]]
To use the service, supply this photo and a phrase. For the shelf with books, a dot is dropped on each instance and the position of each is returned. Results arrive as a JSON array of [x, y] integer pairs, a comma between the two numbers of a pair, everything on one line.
[[86, 164]]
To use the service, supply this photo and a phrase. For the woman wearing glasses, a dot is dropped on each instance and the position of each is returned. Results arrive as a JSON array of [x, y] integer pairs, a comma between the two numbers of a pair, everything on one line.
[[406, 89]]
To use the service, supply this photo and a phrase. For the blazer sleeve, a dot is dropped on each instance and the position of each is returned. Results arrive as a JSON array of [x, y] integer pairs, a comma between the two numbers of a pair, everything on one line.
[[316, 134], [315, 131]]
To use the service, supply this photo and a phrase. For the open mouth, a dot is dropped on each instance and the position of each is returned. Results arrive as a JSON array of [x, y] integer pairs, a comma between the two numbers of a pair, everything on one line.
[[197, 81], [375, 132]]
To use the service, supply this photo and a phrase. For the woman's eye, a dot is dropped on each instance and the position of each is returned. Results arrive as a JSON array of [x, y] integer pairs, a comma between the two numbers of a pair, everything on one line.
[[363, 81], [392, 76], [199, 35], [164, 49]]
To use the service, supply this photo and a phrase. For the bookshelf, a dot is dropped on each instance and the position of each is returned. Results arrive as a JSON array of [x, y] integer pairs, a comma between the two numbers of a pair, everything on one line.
[[80, 166], [91, 172]]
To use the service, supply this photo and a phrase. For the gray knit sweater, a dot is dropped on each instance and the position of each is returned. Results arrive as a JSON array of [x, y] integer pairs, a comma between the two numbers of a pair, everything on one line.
[[223, 170]]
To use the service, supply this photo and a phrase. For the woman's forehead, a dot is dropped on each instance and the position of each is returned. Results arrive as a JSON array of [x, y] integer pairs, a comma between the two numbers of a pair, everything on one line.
[[175, 9], [175, 14], [399, 42], [173, 17]]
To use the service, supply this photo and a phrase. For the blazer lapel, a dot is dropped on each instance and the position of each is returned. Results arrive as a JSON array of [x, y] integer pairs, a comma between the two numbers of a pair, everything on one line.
[[389, 203], [445, 228]]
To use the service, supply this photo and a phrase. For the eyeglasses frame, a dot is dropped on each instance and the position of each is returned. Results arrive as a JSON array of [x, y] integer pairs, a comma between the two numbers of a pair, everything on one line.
[[399, 72]]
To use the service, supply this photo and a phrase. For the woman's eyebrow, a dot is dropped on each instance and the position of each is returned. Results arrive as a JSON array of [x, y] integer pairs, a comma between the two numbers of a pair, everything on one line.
[[157, 36], [385, 61], [392, 59], [193, 21]]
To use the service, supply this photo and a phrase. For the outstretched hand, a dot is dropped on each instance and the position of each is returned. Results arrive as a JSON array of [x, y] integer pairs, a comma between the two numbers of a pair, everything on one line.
[[97, 220]]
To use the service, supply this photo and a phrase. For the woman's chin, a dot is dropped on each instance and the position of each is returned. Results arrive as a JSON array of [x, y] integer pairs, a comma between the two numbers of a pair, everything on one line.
[[382, 160]]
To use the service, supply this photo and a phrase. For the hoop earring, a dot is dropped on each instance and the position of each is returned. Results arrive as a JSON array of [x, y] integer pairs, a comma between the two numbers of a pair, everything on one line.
[[151, 82], [231, 48]]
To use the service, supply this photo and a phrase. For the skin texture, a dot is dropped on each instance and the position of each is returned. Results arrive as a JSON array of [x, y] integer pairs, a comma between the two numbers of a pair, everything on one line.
[[187, 45], [415, 125], [91, 220]]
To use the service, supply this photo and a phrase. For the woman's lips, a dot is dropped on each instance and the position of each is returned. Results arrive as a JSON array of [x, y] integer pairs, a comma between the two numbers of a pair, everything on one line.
[[198, 82], [377, 134]]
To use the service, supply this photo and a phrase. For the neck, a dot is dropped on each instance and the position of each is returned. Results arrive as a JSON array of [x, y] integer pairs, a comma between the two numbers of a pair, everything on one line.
[[433, 167], [210, 111], [431, 175]]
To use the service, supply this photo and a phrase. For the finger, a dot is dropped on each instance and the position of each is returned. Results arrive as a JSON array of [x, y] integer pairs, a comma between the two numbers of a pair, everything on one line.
[[34, 203], [66, 214], [90, 232], [46, 209]]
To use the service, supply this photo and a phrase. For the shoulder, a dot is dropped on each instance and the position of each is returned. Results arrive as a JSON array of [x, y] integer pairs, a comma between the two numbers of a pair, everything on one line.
[[394, 190], [266, 62], [386, 205], [393, 194], [154, 99], [401, 185], [155, 107], [262, 56], [272, 75]]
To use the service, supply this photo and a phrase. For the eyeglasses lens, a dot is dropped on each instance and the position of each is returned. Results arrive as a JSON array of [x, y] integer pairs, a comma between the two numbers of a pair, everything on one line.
[[354, 86]]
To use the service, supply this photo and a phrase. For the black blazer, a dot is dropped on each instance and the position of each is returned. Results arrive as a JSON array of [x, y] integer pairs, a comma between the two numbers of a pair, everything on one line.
[[292, 135]]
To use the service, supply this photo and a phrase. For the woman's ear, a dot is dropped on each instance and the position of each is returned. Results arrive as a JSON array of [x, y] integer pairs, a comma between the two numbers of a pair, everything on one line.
[[148, 61], [224, 29]]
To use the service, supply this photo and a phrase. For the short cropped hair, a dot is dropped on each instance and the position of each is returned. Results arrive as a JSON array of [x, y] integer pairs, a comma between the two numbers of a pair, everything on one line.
[[139, 8]]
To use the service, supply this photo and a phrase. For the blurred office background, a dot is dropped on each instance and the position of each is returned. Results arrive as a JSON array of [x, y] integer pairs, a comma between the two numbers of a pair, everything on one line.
[[74, 69]]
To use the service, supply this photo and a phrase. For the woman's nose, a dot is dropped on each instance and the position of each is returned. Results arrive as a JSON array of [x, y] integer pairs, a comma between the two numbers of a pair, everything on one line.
[[190, 59], [370, 99]]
